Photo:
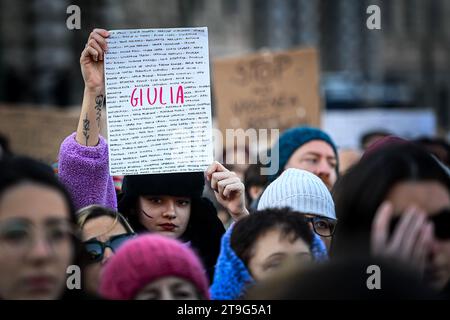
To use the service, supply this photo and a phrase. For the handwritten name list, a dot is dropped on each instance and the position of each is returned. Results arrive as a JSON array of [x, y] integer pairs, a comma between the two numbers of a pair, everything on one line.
[[158, 101]]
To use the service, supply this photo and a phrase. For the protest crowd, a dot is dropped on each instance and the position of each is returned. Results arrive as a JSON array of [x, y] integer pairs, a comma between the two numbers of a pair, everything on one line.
[[309, 230]]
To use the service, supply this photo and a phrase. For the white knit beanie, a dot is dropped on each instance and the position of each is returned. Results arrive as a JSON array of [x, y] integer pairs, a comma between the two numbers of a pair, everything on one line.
[[301, 191]]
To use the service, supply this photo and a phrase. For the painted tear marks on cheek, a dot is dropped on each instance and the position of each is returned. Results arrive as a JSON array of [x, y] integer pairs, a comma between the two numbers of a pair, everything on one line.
[[145, 213]]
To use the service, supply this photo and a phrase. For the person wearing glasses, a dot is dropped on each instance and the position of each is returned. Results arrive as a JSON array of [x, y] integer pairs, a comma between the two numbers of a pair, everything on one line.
[[38, 233], [103, 232], [305, 193], [257, 246]]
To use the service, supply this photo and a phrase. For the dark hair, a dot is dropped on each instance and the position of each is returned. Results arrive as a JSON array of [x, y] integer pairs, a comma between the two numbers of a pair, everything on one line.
[[204, 230], [253, 177], [358, 194], [185, 184], [16, 170], [365, 137], [19, 169], [431, 144], [4, 146], [249, 229]]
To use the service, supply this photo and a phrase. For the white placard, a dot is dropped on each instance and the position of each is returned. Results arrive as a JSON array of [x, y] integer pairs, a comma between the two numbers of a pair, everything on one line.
[[158, 101], [347, 126]]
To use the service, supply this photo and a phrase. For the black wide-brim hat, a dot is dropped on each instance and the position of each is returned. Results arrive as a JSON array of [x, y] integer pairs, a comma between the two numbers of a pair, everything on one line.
[[184, 184]]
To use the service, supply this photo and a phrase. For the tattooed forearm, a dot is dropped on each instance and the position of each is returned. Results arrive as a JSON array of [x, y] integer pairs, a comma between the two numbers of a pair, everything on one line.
[[86, 128], [98, 108]]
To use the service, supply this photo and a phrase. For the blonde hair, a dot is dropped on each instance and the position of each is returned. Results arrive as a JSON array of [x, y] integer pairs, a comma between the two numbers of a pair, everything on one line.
[[95, 211]]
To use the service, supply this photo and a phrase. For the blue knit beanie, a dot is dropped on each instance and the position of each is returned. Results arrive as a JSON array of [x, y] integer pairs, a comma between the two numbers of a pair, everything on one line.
[[294, 138]]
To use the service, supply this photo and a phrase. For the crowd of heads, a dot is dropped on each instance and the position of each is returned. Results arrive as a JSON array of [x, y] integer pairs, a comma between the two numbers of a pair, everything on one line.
[[308, 231], [310, 234]]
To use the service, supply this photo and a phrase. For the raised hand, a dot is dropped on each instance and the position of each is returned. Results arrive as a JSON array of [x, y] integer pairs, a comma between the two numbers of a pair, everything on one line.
[[409, 242], [92, 58], [228, 189], [91, 62]]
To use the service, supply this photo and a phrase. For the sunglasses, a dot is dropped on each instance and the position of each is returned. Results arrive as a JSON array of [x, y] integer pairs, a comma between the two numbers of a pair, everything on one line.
[[96, 249], [440, 220]]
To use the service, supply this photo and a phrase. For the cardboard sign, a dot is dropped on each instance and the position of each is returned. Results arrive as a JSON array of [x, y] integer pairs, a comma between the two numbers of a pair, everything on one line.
[[158, 101], [37, 132], [267, 90]]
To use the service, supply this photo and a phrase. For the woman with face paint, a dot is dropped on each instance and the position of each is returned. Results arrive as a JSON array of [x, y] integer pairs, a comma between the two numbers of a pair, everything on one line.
[[172, 205]]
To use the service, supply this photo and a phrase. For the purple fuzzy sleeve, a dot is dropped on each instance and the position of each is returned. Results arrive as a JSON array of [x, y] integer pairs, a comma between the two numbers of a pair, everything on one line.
[[84, 172]]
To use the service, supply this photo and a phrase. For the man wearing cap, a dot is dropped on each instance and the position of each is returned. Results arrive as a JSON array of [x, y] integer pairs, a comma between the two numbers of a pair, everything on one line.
[[309, 149]]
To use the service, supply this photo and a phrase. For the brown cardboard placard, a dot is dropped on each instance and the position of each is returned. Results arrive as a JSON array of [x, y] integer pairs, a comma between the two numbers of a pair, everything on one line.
[[275, 90], [37, 131]]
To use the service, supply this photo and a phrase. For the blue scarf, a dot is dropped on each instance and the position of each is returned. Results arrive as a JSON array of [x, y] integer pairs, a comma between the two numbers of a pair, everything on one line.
[[231, 276]]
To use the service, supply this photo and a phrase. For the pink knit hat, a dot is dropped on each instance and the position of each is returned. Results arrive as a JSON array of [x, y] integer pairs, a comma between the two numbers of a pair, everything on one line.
[[145, 259]]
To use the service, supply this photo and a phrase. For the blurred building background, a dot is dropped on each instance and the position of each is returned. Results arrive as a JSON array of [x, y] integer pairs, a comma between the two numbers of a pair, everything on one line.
[[406, 64]]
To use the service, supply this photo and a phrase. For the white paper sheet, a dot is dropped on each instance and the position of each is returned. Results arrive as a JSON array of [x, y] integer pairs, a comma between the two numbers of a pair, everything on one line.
[[347, 126], [158, 101]]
